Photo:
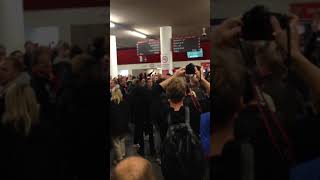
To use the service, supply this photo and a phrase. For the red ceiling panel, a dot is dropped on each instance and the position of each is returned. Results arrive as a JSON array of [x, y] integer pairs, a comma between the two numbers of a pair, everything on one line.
[[58, 4]]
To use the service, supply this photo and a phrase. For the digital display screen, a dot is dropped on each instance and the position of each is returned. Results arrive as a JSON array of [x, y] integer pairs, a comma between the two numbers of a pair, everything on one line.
[[185, 44], [195, 54], [148, 47]]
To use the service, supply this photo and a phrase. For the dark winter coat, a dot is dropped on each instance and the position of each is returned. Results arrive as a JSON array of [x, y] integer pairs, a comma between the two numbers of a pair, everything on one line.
[[119, 118], [27, 157], [140, 105], [82, 115]]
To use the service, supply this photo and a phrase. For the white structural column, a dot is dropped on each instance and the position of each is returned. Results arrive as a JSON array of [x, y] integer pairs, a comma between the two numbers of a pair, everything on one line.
[[113, 57], [12, 25], [166, 51]]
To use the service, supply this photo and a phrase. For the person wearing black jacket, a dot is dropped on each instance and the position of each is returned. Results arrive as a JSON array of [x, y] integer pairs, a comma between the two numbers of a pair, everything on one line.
[[25, 138], [157, 112], [150, 122], [123, 87], [99, 48], [139, 103], [197, 99], [175, 88], [119, 121], [62, 65], [164, 106], [82, 117], [41, 82], [29, 55], [62, 70]]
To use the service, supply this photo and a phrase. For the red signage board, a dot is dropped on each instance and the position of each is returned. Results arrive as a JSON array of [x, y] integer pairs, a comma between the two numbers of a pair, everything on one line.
[[305, 11]]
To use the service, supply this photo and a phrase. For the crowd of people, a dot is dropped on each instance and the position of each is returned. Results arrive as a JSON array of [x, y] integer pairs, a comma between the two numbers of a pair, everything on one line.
[[265, 96], [53, 104], [159, 106], [265, 106]]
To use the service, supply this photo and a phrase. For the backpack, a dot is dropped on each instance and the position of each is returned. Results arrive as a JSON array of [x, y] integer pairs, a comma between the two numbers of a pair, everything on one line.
[[182, 156]]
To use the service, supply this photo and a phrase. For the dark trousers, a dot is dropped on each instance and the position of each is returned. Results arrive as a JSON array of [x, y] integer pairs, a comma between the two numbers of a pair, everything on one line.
[[149, 131], [139, 137]]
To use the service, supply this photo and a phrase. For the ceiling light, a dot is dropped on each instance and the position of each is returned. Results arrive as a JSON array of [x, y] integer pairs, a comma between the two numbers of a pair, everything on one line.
[[138, 34], [143, 31], [117, 19], [112, 25]]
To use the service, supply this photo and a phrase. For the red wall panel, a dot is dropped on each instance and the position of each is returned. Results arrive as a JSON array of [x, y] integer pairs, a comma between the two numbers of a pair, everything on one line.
[[57, 4], [129, 55]]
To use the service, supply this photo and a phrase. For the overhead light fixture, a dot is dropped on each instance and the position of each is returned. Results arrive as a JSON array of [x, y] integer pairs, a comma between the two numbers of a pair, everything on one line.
[[138, 34], [112, 25]]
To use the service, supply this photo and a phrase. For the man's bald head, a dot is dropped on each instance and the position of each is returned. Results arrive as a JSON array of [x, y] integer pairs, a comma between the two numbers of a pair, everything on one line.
[[133, 168]]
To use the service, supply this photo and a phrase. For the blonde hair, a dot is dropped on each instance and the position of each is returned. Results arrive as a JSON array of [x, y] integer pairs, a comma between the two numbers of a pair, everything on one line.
[[116, 96], [21, 108]]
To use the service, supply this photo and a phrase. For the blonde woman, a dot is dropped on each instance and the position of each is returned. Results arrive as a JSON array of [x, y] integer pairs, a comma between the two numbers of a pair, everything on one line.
[[119, 119], [21, 108], [23, 143]]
